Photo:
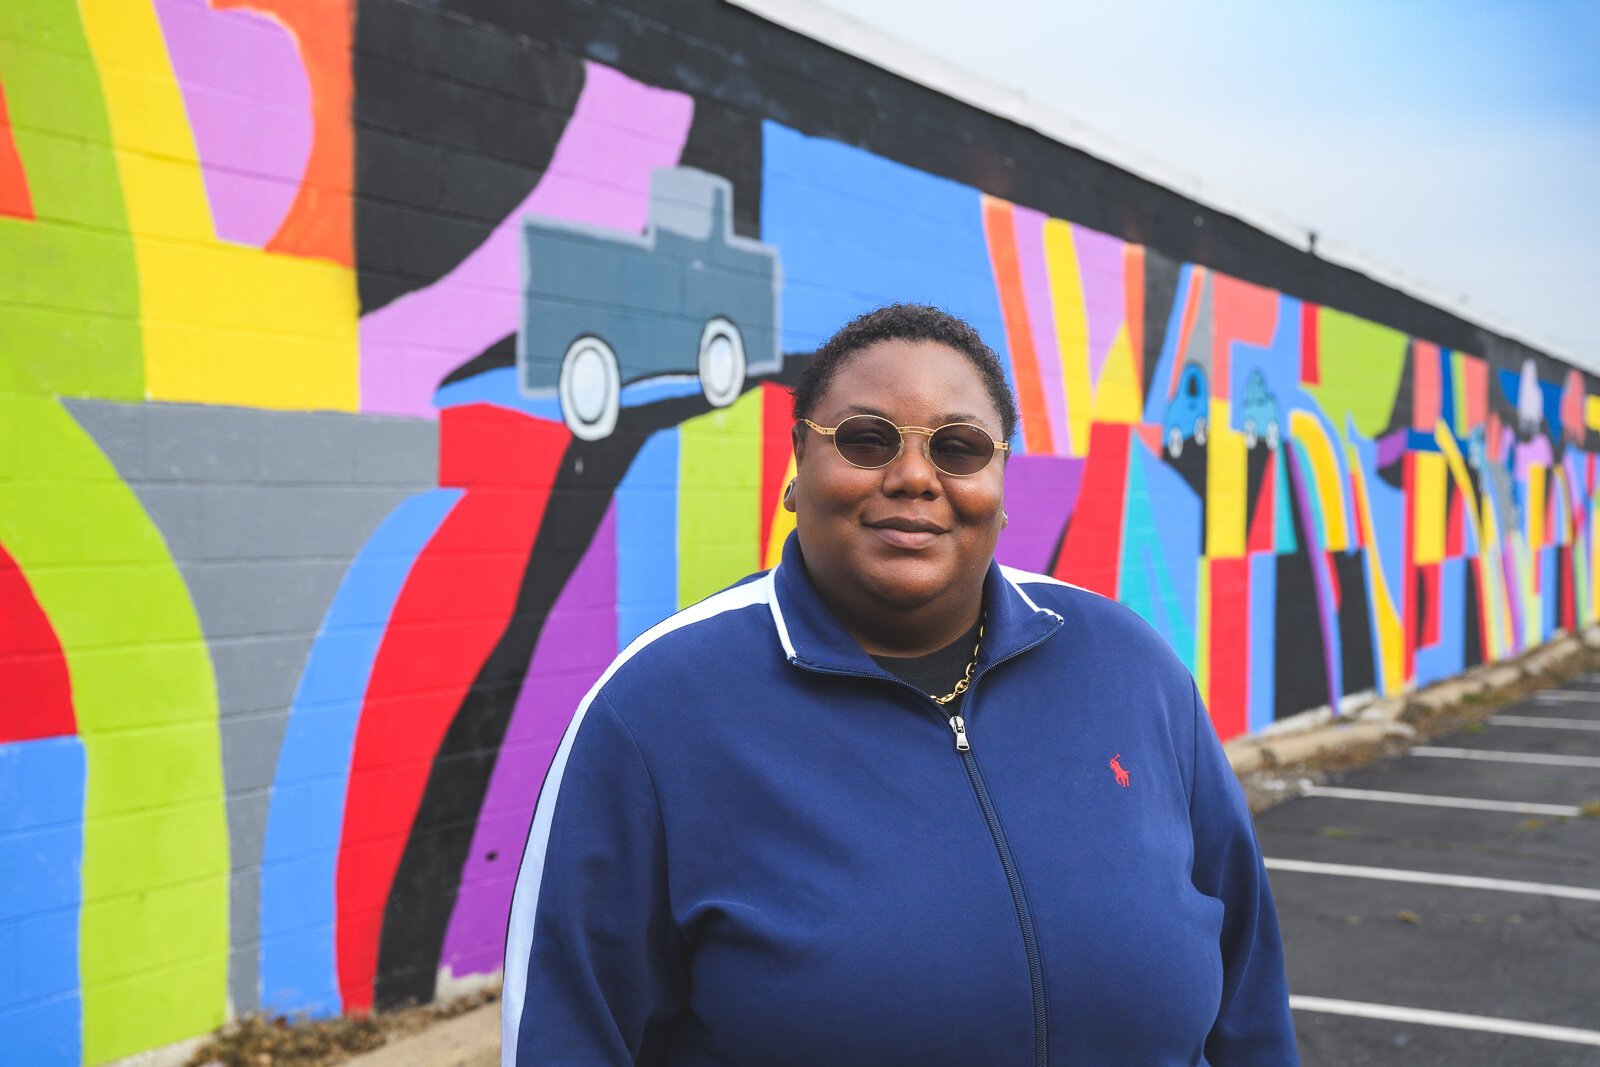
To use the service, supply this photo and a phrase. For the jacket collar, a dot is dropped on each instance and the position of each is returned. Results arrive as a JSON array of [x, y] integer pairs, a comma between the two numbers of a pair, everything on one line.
[[813, 638]]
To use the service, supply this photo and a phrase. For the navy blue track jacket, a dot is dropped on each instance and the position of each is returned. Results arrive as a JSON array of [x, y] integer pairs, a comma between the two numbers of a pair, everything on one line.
[[756, 847]]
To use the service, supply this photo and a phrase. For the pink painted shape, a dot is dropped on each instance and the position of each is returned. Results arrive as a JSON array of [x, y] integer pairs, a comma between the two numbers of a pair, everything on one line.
[[619, 132], [249, 104], [1029, 225], [578, 643], [1105, 304]]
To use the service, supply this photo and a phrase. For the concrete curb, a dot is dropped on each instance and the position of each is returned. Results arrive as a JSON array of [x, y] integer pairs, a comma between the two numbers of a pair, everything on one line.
[[470, 1040], [1320, 732]]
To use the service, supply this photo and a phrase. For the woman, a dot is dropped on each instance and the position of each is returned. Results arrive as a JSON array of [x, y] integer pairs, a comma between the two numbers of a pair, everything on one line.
[[890, 802]]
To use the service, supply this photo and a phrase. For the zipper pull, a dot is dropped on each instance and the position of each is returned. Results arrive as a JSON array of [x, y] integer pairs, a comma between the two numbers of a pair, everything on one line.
[[958, 726]]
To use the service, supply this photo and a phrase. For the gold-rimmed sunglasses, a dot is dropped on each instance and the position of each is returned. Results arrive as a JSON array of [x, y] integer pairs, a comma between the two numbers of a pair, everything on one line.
[[959, 449]]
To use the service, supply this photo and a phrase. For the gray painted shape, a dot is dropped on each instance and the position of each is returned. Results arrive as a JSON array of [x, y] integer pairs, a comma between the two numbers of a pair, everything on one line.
[[263, 512]]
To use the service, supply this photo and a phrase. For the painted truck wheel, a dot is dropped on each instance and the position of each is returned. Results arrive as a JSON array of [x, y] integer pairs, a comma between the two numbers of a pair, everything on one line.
[[1174, 442], [722, 362], [590, 388]]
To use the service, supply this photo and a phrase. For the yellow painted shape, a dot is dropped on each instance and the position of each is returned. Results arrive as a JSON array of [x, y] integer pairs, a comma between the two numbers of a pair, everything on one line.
[[1591, 412], [222, 323], [1456, 464], [1072, 330], [1117, 395], [1534, 511], [1390, 631], [1227, 485], [1326, 477], [1429, 472], [782, 523], [1202, 631]]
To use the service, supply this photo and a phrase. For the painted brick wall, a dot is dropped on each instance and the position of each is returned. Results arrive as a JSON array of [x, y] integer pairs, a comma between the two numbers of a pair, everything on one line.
[[371, 372]]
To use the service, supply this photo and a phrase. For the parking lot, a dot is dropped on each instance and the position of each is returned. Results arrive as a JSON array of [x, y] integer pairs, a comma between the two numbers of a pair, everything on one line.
[[1444, 907]]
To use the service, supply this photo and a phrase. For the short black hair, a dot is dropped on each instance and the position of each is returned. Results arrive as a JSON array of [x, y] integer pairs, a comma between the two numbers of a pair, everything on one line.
[[905, 322]]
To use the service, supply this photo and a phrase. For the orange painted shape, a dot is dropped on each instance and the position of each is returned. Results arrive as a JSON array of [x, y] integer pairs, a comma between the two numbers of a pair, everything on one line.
[[14, 197], [1243, 313], [1426, 386], [1133, 296], [319, 221], [1191, 310], [1310, 351], [999, 226], [1475, 385]]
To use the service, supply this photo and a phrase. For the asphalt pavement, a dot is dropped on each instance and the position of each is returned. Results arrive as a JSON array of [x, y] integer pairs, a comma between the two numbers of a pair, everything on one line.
[[1443, 907]]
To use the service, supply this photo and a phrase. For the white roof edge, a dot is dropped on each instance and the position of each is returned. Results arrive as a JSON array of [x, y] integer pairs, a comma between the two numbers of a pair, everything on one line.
[[842, 31]]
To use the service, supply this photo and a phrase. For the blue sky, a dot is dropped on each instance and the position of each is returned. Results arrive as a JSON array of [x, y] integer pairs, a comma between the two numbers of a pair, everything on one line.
[[1455, 143]]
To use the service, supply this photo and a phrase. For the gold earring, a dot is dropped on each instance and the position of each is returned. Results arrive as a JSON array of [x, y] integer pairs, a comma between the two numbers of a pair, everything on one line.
[[1005, 520], [788, 496]]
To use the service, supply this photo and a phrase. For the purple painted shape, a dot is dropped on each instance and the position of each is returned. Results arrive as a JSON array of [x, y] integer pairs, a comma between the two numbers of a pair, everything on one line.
[[249, 104], [578, 643], [1104, 302], [1508, 571], [1569, 462], [1392, 446], [1531, 454], [1029, 226], [619, 132], [1041, 492]]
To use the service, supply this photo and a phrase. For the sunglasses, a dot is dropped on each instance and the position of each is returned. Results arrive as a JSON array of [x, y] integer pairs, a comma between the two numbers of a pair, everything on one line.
[[958, 449]]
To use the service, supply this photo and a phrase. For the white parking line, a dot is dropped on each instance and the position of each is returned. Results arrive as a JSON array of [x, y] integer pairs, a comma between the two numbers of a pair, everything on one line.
[[1508, 757], [1393, 1013], [1544, 723], [1455, 881], [1576, 696], [1570, 811]]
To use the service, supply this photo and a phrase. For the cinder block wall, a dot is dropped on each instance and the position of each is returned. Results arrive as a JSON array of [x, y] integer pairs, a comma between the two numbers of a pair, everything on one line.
[[370, 373]]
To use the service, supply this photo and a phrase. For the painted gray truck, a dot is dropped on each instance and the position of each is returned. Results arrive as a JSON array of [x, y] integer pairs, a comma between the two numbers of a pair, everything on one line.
[[603, 309]]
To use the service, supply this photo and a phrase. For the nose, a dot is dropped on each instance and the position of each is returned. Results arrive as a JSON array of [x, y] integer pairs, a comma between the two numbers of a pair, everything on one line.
[[912, 473]]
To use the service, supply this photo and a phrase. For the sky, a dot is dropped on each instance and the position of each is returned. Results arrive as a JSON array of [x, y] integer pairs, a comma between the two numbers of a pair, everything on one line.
[[1455, 143]]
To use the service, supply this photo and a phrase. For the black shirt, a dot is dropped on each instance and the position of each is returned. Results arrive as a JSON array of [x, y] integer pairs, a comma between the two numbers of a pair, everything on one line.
[[938, 672]]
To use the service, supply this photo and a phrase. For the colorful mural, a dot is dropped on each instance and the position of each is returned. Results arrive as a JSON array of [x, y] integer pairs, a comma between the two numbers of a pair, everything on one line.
[[370, 374]]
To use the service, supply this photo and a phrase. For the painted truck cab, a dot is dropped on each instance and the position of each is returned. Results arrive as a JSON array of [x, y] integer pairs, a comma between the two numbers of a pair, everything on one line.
[[603, 309]]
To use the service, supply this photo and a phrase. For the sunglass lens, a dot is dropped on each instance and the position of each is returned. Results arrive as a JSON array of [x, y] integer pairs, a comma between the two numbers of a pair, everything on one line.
[[867, 441], [960, 449]]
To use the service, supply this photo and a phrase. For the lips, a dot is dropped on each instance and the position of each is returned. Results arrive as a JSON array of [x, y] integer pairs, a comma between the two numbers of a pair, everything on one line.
[[902, 532]]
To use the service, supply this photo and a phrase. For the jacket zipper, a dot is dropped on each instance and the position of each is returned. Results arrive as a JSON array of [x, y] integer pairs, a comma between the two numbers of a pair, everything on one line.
[[1030, 944]]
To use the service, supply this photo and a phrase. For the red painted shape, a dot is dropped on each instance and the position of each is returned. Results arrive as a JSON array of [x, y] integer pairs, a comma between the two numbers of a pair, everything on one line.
[[454, 608], [35, 688], [14, 197], [1474, 386], [777, 421], [1409, 607], [1191, 310], [1230, 645], [1310, 349], [1242, 314], [1092, 551], [319, 221], [1567, 594], [1429, 634], [1455, 525], [1262, 527], [999, 226], [1426, 385]]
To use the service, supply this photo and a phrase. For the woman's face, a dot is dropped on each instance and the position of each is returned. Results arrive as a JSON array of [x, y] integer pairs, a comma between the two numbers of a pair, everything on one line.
[[905, 536]]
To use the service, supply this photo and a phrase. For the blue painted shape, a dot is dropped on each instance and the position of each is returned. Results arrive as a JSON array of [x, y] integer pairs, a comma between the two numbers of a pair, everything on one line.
[[301, 851], [1447, 390], [41, 860], [1170, 548], [1155, 402], [1421, 441], [1447, 657], [647, 538], [1552, 406], [499, 387], [857, 230], [1549, 572], [1263, 624], [1511, 385], [1278, 363]]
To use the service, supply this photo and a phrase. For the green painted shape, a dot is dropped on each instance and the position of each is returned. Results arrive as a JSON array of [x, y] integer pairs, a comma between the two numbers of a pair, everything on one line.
[[153, 932], [1360, 364], [69, 284], [719, 498]]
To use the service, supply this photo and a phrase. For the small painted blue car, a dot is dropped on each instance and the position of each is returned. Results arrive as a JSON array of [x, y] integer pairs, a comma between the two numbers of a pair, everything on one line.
[[1186, 413]]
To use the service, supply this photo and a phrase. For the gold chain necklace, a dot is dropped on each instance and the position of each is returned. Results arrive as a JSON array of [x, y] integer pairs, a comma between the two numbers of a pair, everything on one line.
[[966, 679]]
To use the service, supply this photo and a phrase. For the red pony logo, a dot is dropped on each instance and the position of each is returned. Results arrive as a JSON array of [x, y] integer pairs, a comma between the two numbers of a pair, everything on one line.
[[1116, 768]]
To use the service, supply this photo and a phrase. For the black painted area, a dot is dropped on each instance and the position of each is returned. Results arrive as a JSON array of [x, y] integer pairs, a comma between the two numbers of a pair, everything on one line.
[[727, 141], [1300, 669], [1472, 653], [1355, 623], [503, 353], [455, 122], [1160, 290]]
